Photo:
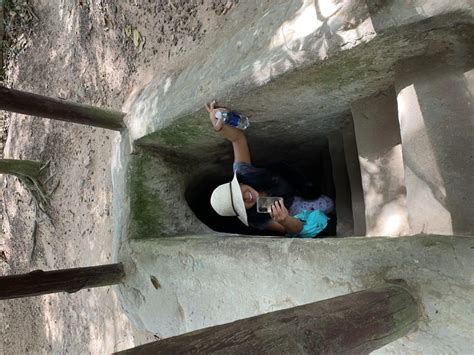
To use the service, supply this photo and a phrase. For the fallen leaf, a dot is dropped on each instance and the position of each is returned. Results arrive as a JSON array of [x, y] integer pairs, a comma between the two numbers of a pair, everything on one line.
[[155, 282], [128, 30], [228, 6], [142, 44], [137, 37], [3, 256]]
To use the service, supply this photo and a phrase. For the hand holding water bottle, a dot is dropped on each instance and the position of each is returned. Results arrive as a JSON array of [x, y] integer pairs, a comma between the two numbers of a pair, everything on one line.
[[221, 116], [216, 123]]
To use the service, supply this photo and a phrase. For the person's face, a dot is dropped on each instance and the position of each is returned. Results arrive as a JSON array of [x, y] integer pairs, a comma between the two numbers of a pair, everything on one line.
[[250, 196]]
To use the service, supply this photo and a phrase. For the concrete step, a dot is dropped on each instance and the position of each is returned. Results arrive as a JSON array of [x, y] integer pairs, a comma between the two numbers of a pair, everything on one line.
[[345, 220], [379, 150], [355, 182], [436, 111], [210, 280]]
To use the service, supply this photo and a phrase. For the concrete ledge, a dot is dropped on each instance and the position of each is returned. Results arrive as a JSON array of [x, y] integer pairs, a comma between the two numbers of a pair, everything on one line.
[[345, 219], [381, 164], [386, 15], [436, 111], [355, 181], [208, 280], [285, 77], [148, 199], [296, 84]]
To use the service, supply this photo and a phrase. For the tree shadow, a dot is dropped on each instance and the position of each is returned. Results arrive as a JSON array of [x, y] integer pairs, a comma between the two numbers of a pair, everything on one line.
[[313, 30]]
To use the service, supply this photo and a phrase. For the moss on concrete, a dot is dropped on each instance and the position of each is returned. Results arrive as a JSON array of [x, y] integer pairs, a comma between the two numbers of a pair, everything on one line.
[[147, 211], [336, 73], [184, 132]]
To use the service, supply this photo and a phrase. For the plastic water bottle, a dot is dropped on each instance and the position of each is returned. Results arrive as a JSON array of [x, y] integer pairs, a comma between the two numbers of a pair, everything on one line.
[[233, 119]]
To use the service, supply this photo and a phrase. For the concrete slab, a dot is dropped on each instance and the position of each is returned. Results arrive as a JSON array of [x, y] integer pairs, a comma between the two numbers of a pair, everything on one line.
[[436, 112], [386, 15], [381, 164], [207, 280], [291, 66], [355, 180], [345, 222], [296, 83], [148, 198]]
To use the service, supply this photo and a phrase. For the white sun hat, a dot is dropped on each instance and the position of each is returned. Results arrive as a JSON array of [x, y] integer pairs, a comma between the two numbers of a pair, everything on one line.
[[227, 200]]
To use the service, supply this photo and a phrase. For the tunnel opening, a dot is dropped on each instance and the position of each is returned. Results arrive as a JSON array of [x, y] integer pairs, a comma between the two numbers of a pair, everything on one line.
[[312, 167], [176, 169]]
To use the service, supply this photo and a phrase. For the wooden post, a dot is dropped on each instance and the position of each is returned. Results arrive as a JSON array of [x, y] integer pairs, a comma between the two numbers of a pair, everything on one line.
[[41, 282], [16, 167], [58, 109], [357, 323]]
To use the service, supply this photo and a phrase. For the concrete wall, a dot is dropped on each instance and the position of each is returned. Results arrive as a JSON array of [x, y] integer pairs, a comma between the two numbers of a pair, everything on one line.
[[381, 164], [209, 280], [386, 15], [292, 67], [148, 196], [261, 42]]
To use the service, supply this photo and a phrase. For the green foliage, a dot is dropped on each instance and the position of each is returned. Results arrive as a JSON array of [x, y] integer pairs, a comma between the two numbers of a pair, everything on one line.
[[186, 131]]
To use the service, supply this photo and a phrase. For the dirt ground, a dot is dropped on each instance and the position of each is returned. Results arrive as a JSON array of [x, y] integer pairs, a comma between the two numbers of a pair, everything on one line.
[[96, 52]]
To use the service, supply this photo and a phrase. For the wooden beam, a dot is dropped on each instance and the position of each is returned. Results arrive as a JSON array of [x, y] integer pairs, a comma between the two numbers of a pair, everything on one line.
[[41, 282], [357, 323], [16, 167], [58, 109]]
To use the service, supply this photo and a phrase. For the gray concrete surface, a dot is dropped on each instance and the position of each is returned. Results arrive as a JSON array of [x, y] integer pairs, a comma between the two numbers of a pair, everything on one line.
[[355, 180], [381, 164], [386, 15], [148, 200], [345, 221], [436, 112], [291, 66], [207, 280], [294, 68]]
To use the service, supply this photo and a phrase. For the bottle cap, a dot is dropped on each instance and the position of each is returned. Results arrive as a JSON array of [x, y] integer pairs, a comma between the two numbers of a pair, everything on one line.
[[218, 115]]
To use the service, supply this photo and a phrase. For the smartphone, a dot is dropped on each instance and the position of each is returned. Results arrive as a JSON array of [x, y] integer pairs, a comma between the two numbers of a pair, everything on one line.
[[265, 203]]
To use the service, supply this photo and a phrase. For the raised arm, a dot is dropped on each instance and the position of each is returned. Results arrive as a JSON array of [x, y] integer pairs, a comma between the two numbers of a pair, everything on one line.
[[235, 135]]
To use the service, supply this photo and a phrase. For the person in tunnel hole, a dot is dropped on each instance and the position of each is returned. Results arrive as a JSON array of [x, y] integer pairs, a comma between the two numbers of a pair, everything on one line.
[[294, 217]]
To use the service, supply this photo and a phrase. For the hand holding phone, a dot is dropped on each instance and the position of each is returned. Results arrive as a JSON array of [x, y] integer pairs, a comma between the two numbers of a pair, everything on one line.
[[264, 204], [279, 213]]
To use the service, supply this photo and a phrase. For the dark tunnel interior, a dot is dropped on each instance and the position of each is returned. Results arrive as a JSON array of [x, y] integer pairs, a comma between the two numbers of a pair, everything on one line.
[[312, 168]]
